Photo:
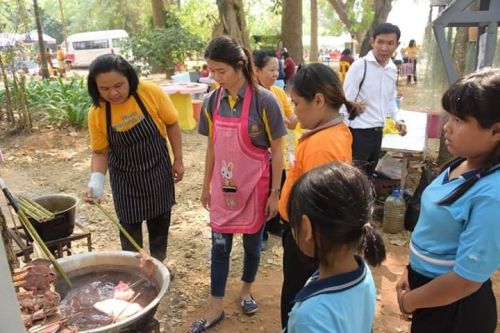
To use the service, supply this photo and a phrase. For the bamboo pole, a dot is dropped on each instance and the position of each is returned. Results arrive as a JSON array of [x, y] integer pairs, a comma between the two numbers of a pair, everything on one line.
[[34, 210], [33, 233], [122, 229], [36, 237]]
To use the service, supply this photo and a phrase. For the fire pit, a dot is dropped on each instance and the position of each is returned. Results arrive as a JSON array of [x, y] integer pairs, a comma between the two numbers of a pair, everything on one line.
[[117, 261]]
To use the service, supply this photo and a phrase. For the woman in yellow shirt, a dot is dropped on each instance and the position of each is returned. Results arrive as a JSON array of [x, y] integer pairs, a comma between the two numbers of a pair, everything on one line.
[[410, 55], [267, 70], [129, 123]]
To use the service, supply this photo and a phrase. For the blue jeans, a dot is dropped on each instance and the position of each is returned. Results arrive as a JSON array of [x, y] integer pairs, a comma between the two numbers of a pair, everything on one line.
[[221, 252]]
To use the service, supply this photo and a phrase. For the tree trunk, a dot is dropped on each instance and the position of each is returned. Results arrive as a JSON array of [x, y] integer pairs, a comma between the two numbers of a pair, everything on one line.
[[8, 101], [313, 52], [382, 9], [291, 29], [65, 32], [41, 44], [158, 13], [233, 22], [459, 52]]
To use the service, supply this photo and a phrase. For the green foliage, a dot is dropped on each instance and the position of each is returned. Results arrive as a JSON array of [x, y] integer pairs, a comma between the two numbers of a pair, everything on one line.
[[63, 102], [51, 25], [328, 21], [199, 17], [16, 16], [260, 18], [91, 15], [164, 47]]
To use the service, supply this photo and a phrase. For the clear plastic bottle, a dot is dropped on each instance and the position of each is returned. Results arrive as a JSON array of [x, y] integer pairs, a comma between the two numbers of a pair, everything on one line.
[[394, 212]]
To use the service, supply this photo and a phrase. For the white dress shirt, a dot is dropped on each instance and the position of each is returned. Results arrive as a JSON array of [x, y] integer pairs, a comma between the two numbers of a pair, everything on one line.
[[378, 92]]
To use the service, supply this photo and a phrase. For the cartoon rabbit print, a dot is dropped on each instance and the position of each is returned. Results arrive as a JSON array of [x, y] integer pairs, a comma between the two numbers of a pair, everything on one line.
[[227, 173]]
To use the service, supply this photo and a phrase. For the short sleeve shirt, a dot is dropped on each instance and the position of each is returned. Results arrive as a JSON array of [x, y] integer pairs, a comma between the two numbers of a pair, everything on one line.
[[128, 114], [463, 237], [265, 121]]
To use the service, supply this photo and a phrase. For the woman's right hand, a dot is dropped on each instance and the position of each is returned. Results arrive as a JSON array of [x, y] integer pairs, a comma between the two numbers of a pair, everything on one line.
[[89, 198], [205, 198]]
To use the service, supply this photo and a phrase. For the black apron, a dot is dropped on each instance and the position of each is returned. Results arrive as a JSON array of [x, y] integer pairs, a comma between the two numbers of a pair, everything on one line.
[[140, 169]]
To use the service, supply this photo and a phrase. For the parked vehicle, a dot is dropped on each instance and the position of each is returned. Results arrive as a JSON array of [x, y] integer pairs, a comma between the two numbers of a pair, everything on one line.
[[84, 47]]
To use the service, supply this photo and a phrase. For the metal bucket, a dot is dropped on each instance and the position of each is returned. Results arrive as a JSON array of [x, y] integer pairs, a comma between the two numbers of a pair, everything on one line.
[[64, 208], [79, 264]]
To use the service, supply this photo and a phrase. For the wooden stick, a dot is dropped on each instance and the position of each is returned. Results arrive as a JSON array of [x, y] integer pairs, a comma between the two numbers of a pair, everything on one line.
[[135, 284], [123, 310]]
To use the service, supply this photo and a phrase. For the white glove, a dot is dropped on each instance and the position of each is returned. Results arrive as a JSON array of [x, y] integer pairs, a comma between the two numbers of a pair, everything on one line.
[[96, 183]]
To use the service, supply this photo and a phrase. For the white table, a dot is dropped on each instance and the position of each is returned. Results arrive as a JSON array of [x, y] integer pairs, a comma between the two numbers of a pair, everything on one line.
[[413, 142]]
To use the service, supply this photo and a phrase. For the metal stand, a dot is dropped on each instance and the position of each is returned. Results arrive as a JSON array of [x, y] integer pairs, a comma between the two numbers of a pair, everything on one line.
[[58, 246]]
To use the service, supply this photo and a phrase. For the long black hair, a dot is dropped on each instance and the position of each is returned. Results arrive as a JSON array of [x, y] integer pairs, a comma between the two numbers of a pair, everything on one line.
[[107, 63], [319, 78], [476, 95], [338, 199], [227, 50]]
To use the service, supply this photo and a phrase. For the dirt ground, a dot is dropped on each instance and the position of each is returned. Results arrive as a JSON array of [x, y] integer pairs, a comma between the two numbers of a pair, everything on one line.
[[51, 160]]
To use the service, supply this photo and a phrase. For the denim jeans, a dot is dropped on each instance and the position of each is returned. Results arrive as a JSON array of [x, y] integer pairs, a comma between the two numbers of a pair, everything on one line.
[[221, 253]]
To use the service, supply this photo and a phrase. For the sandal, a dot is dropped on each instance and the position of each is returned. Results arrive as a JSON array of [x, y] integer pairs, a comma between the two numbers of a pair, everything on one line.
[[249, 306], [202, 325]]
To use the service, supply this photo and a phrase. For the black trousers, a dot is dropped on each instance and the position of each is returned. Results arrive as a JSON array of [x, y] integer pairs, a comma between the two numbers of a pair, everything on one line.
[[476, 313], [297, 269], [366, 147], [158, 235]]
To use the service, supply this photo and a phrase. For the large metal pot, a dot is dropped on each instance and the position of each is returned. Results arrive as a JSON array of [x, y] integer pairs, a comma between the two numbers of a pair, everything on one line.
[[79, 264], [64, 207]]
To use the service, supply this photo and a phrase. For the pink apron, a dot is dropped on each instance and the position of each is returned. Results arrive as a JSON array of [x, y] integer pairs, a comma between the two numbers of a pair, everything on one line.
[[239, 186]]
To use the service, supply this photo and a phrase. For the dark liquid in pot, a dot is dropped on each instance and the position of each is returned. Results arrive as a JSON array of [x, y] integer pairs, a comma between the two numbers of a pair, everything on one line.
[[94, 287]]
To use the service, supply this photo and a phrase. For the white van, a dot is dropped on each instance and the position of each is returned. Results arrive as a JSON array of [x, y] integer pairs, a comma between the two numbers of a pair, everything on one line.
[[84, 47]]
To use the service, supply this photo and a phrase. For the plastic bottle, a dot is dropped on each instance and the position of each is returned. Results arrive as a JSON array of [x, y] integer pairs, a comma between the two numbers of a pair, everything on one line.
[[394, 212]]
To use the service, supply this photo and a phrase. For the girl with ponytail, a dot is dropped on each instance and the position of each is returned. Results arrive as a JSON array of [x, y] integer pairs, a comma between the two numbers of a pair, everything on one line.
[[317, 94], [244, 126], [455, 247], [330, 210]]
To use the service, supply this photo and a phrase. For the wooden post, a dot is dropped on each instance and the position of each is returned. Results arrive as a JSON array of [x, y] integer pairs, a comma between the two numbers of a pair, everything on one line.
[[7, 241]]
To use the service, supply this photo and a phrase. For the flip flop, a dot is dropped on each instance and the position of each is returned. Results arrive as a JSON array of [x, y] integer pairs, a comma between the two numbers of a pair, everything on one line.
[[202, 325], [249, 306]]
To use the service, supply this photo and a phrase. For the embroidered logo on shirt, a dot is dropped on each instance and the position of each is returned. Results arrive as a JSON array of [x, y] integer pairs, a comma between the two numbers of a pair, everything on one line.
[[255, 131]]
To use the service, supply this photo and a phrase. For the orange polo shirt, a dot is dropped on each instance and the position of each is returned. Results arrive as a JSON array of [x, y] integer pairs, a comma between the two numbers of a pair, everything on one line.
[[323, 145]]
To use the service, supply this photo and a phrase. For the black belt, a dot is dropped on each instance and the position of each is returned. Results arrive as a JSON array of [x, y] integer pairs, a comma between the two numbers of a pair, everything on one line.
[[373, 129]]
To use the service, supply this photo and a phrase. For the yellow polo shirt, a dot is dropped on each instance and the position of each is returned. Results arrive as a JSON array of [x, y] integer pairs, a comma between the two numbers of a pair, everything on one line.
[[128, 114]]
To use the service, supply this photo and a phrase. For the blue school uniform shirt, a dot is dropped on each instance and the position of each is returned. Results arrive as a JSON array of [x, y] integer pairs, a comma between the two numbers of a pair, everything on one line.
[[339, 304], [463, 237]]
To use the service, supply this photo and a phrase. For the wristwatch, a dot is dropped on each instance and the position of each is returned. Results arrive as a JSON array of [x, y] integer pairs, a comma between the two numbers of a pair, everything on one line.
[[275, 190]]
